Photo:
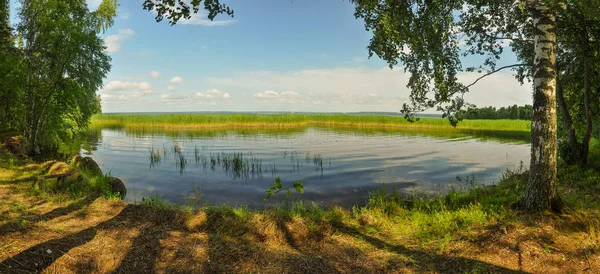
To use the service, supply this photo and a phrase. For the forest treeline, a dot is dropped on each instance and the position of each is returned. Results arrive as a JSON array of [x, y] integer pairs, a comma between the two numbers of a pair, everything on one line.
[[513, 112]]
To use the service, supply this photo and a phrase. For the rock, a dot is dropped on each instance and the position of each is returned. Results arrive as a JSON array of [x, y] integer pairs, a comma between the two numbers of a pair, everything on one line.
[[13, 146], [367, 219], [117, 186], [86, 163], [59, 168], [76, 160]]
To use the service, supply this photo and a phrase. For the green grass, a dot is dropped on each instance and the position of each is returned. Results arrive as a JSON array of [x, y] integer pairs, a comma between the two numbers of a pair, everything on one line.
[[290, 120]]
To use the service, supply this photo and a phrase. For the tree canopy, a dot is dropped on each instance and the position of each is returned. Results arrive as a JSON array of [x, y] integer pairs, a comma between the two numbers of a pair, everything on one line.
[[429, 37], [174, 10], [55, 69]]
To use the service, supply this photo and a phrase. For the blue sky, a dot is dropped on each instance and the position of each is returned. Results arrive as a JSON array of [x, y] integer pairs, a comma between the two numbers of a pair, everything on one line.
[[274, 55]]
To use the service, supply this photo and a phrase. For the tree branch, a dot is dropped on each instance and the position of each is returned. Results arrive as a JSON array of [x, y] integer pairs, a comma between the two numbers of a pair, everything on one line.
[[494, 71]]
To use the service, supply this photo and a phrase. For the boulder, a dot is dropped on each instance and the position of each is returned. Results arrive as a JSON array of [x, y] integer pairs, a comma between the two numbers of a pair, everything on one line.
[[117, 186], [76, 160], [59, 168], [86, 163], [367, 219], [13, 146]]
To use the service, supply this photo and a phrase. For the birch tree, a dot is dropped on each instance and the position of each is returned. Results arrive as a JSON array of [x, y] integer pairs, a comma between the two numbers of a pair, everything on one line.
[[425, 37], [65, 64]]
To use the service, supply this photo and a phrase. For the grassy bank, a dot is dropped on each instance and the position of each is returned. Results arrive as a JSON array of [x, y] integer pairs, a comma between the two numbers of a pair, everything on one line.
[[475, 231], [194, 121]]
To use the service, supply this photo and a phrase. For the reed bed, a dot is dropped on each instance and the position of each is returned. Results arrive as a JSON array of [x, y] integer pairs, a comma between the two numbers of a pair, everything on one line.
[[235, 120]]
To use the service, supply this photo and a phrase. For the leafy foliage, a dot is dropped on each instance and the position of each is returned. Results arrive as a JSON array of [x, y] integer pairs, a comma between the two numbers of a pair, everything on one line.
[[54, 73], [175, 10], [447, 31], [277, 187]]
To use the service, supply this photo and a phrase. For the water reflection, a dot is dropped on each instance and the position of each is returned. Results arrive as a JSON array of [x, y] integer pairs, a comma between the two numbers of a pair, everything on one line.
[[237, 165], [338, 166]]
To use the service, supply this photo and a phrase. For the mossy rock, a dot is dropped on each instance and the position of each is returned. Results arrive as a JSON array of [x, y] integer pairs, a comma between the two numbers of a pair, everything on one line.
[[367, 219], [86, 163], [76, 160], [59, 168], [13, 144], [117, 187]]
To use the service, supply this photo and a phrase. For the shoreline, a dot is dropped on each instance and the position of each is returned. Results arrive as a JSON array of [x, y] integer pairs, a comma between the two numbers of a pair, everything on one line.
[[472, 231]]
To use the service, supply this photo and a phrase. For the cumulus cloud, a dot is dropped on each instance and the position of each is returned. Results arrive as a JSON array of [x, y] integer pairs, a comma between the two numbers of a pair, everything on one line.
[[284, 97], [170, 88], [212, 94], [267, 94], [120, 86], [176, 80], [119, 90], [155, 74], [360, 89], [114, 41], [210, 97]]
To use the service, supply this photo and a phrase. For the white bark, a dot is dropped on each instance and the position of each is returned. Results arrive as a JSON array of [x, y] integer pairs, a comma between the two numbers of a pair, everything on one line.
[[541, 188]]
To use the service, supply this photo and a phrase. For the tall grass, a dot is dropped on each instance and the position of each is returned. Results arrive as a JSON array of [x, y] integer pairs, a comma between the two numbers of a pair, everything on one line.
[[234, 120]]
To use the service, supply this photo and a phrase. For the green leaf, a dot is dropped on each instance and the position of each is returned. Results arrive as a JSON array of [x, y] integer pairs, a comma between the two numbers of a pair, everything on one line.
[[298, 185]]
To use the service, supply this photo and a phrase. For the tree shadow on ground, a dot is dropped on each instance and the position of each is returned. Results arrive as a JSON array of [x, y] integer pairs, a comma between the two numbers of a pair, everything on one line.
[[234, 247], [141, 257], [231, 246], [428, 261], [39, 257], [55, 213]]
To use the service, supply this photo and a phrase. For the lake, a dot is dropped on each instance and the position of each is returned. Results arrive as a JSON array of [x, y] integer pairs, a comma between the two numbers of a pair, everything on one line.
[[337, 167]]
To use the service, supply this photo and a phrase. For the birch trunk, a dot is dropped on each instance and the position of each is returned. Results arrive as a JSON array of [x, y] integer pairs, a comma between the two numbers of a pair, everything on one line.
[[541, 189]]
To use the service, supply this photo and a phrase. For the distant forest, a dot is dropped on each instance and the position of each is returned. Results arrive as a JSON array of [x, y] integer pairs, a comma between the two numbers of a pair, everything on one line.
[[492, 113]]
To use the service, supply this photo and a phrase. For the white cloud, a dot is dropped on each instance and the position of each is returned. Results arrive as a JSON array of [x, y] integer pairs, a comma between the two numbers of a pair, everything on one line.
[[213, 94], [119, 90], [285, 97], [176, 80], [210, 97], [172, 97], [359, 89], [113, 41], [155, 74], [121, 86], [267, 94], [170, 88]]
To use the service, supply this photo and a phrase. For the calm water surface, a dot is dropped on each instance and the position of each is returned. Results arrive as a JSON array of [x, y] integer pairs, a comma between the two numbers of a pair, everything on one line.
[[337, 168]]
